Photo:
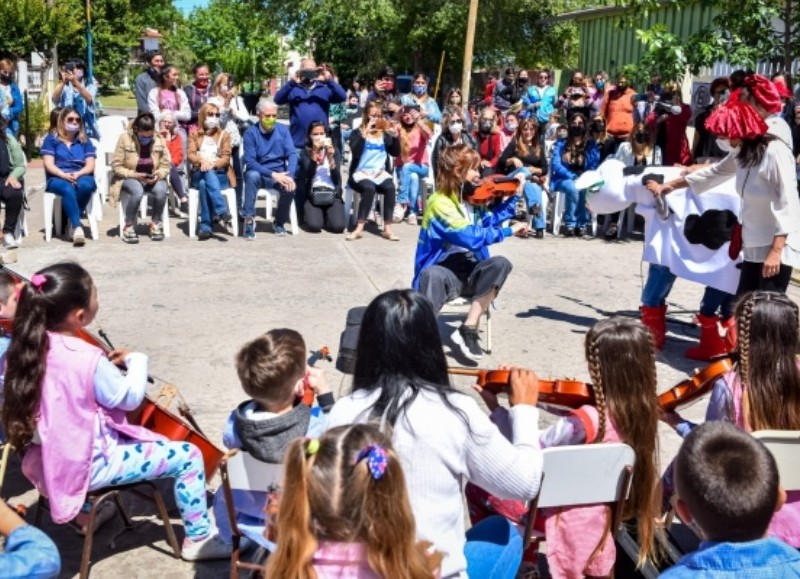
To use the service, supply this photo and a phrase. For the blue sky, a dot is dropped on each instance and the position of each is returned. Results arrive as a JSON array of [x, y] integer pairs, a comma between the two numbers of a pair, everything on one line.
[[186, 6]]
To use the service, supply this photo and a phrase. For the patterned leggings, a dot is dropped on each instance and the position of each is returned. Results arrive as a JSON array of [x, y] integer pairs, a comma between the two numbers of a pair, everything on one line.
[[152, 460]]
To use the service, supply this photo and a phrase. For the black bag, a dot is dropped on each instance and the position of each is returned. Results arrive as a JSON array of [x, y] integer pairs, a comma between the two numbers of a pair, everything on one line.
[[322, 196], [242, 125], [348, 342]]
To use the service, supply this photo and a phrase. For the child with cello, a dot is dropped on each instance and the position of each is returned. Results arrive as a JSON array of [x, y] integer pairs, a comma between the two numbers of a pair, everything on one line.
[[57, 383], [762, 392], [623, 371], [452, 257]]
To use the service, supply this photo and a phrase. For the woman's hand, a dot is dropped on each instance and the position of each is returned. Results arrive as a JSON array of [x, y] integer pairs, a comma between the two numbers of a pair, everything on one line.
[[524, 387], [772, 264], [117, 356], [206, 165], [13, 183], [515, 162], [489, 398]]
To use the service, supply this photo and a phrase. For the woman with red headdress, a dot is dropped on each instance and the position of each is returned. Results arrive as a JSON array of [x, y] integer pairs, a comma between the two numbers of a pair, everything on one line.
[[765, 178]]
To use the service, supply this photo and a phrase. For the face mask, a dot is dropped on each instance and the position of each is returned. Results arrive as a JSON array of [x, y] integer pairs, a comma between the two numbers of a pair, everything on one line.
[[268, 123], [511, 127], [420, 89], [600, 84], [352, 107], [223, 88], [211, 123], [576, 131], [486, 126], [561, 135], [78, 73], [145, 140], [456, 128], [388, 85], [598, 127], [456, 101], [317, 138], [508, 81], [641, 138], [5, 77], [522, 81], [201, 83], [622, 86], [71, 128]]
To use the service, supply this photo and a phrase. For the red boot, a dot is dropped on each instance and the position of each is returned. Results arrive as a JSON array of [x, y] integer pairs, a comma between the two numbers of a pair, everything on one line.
[[656, 321], [711, 343], [729, 331]]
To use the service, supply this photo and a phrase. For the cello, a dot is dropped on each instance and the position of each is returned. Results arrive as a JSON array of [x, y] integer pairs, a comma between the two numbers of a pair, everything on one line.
[[557, 393], [150, 414], [695, 386]]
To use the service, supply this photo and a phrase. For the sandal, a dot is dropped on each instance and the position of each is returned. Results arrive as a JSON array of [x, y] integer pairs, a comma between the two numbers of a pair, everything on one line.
[[390, 236], [353, 236]]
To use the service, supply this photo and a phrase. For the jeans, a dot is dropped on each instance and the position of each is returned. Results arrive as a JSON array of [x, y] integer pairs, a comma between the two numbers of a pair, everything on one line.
[[713, 300], [493, 549], [210, 183], [659, 283], [253, 181], [410, 176], [75, 197], [134, 191], [533, 196], [176, 183], [575, 212]]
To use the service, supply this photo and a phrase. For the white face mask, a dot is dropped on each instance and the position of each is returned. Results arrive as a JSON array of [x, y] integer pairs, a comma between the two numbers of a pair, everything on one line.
[[456, 128], [317, 138], [726, 146], [223, 88], [71, 129], [211, 123]]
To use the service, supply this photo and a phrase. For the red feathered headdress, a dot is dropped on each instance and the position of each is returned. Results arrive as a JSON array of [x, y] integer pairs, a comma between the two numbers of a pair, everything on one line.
[[764, 93], [736, 120], [783, 90]]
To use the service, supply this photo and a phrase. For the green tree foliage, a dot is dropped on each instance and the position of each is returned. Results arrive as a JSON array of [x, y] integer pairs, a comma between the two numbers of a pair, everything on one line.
[[33, 26]]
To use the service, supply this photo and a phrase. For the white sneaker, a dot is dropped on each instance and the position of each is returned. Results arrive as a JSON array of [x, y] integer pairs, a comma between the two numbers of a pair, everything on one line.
[[78, 237], [412, 219], [9, 241], [212, 547]]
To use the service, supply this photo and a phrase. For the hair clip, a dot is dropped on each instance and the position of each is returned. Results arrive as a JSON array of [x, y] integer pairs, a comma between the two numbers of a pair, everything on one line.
[[312, 446], [377, 459], [38, 280]]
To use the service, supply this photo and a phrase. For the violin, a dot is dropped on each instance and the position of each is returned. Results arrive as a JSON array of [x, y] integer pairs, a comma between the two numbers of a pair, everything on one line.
[[570, 394], [694, 387], [150, 414], [493, 187]]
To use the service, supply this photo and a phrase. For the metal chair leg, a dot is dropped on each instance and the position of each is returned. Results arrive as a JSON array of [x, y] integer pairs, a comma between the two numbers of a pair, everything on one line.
[[162, 511]]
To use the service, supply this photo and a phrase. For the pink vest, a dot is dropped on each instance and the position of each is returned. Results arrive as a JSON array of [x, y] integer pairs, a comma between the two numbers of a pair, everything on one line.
[[785, 524], [60, 465], [573, 534]]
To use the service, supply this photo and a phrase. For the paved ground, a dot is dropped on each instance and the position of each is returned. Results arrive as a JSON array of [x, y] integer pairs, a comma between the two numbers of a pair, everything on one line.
[[190, 305]]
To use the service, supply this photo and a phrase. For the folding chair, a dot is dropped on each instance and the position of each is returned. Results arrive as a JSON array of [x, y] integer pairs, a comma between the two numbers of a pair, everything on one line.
[[239, 470], [100, 496]]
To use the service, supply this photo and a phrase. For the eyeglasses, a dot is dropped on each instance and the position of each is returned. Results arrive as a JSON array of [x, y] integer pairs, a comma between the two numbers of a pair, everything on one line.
[[73, 119], [269, 116], [455, 122], [544, 76], [212, 114]]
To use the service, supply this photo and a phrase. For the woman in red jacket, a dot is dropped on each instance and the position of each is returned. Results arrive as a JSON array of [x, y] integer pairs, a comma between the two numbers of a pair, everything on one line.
[[668, 121], [487, 133]]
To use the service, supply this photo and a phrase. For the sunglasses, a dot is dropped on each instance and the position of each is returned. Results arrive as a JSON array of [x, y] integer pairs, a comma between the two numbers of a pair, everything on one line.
[[212, 114], [73, 119]]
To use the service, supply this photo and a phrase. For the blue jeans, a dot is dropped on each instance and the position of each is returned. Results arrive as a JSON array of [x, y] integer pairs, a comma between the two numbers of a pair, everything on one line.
[[713, 300], [410, 176], [75, 197], [659, 283], [533, 196], [575, 212], [253, 181], [493, 549], [210, 184]]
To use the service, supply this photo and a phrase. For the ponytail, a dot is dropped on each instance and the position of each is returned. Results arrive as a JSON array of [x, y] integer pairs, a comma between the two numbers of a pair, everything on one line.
[[44, 303]]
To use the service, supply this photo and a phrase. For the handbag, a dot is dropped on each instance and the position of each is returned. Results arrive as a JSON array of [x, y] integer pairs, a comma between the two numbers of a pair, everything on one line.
[[322, 196]]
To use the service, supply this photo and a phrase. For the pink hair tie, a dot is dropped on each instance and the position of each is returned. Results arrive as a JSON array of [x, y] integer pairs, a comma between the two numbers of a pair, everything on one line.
[[37, 281]]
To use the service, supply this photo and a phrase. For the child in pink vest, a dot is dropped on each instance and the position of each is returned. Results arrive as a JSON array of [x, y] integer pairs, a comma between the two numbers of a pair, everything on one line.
[[66, 405], [623, 371], [345, 512], [768, 378]]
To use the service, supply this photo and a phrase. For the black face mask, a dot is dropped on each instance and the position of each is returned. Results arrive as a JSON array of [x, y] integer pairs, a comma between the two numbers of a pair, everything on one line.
[[486, 127], [598, 127], [641, 138], [5, 77], [522, 81], [576, 131]]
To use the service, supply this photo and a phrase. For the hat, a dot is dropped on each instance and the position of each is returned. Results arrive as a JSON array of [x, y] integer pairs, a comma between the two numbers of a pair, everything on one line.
[[783, 90], [386, 71], [764, 93], [736, 120]]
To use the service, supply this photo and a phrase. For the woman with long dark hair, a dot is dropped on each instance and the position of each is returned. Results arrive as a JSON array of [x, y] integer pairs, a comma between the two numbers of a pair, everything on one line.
[[442, 436], [319, 179]]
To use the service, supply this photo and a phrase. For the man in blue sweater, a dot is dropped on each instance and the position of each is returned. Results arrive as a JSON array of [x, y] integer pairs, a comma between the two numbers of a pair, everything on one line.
[[270, 163], [309, 96]]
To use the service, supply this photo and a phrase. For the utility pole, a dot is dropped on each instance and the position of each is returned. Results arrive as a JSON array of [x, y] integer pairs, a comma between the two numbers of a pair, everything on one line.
[[89, 50], [466, 73]]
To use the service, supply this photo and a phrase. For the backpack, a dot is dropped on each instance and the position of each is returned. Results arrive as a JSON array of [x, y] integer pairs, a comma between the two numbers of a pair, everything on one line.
[[348, 341]]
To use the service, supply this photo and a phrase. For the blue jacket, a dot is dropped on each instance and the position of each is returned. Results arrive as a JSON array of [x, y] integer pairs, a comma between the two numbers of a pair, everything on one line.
[[445, 224], [560, 172], [15, 109], [307, 105], [269, 152], [761, 559], [540, 107]]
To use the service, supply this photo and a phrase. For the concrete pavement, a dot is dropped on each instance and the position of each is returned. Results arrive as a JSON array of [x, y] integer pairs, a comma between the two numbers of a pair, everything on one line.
[[190, 305]]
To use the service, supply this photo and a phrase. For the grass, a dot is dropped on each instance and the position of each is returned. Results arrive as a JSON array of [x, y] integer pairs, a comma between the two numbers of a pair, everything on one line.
[[118, 99]]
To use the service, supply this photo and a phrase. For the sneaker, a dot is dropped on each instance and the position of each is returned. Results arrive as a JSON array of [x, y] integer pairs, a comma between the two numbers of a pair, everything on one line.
[[280, 230], [399, 213], [580, 231], [129, 234], [204, 235], [412, 219], [539, 234], [78, 237], [468, 342], [9, 241], [212, 547], [183, 209], [569, 232], [249, 229], [157, 231], [611, 232]]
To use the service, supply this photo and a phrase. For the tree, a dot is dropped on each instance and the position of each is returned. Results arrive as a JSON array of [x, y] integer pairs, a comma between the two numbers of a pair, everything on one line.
[[33, 26]]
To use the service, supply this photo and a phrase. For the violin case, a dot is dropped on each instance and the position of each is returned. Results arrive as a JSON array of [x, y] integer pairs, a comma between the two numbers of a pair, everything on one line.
[[348, 341]]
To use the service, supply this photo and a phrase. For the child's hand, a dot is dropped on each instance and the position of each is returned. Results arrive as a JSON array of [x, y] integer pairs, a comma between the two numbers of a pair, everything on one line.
[[669, 417], [117, 357], [524, 387], [489, 397], [315, 377]]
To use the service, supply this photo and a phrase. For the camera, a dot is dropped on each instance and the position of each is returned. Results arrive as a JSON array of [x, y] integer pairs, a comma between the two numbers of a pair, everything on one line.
[[326, 142]]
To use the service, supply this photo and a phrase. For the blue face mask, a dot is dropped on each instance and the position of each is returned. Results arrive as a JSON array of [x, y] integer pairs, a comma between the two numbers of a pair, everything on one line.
[[600, 84], [420, 89], [145, 140]]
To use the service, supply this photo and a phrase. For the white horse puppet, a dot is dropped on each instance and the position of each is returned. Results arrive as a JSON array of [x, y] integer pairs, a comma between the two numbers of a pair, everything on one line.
[[689, 233]]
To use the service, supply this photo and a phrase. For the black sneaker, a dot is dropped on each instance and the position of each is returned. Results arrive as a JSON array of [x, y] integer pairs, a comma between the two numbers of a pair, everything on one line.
[[183, 209], [569, 232], [468, 342], [204, 235], [580, 231], [539, 234]]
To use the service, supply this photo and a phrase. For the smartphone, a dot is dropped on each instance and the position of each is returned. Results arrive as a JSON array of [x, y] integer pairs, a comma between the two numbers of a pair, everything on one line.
[[326, 142]]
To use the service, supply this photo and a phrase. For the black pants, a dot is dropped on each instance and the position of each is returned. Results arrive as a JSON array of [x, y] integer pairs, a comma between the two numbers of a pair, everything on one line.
[[751, 279], [368, 190], [332, 216], [461, 276], [13, 199]]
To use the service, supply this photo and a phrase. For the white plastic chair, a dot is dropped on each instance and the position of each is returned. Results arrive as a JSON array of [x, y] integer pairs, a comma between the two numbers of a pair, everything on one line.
[[558, 209], [110, 127], [52, 211], [143, 213], [583, 475], [785, 447], [273, 195], [194, 209]]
